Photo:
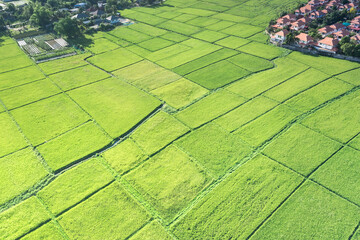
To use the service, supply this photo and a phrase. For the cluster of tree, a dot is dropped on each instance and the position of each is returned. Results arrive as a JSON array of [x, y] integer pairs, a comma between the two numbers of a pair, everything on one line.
[[349, 47]]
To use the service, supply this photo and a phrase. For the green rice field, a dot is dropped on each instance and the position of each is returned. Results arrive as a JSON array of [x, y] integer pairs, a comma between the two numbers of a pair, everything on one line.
[[187, 125]]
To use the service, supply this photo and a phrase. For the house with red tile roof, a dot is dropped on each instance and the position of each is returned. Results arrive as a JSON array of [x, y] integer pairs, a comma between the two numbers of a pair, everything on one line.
[[325, 31], [337, 27], [291, 17], [283, 22], [280, 36], [298, 25], [342, 33], [307, 9], [328, 44], [304, 39], [356, 38]]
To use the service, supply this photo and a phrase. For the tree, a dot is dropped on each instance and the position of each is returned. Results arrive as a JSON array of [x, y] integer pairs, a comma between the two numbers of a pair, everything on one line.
[[290, 38], [348, 48], [68, 27], [2, 24], [41, 16]]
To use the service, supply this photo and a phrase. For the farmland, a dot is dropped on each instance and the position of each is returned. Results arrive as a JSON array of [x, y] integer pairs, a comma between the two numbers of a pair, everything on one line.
[[183, 125]]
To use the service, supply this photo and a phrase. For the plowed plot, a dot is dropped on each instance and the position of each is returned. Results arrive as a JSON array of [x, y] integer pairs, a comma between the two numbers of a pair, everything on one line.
[[10, 137], [115, 59], [19, 77], [217, 74], [158, 131], [46, 119], [19, 172], [115, 105], [17, 221], [62, 193], [240, 203], [73, 145], [341, 173], [338, 120], [110, 213], [169, 181], [301, 149], [214, 148], [331, 216], [78, 77]]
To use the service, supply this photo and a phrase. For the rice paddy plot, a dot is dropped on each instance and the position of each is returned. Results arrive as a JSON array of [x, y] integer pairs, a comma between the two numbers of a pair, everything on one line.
[[10, 50], [209, 36], [339, 119], [204, 61], [260, 82], [331, 216], [251, 63], [184, 17], [111, 61], [155, 44], [355, 142], [148, 29], [46, 231], [129, 35], [263, 50], [232, 42], [325, 64], [13, 63], [11, 138], [259, 37], [62, 64], [19, 77], [266, 126], [301, 149], [209, 6], [115, 105], [19, 220], [242, 30], [219, 25], [151, 231], [20, 171], [145, 18], [169, 15], [124, 156], [179, 27], [29, 93], [77, 77], [142, 52], [108, 214], [168, 52], [311, 98], [230, 17], [218, 74], [75, 185], [239, 203], [101, 45], [180, 93], [202, 21], [352, 77], [40, 125], [214, 148], [341, 174], [197, 12], [73, 145], [245, 113], [169, 181], [175, 37], [158, 131], [296, 84], [209, 108]]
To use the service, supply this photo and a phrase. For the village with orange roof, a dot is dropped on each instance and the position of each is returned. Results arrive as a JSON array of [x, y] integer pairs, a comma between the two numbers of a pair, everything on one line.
[[308, 26]]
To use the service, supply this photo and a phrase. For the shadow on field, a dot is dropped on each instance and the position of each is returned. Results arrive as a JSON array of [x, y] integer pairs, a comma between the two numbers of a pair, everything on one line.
[[83, 41], [162, 5]]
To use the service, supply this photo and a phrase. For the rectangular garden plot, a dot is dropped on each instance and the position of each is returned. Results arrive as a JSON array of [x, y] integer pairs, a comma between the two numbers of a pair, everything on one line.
[[209, 108], [318, 94], [19, 77], [62, 64], [28, 93], [260, 82], [339, 119], [19, 171], [11, 138], [17, 221], [214, 148], [115, 105], [63, 193], [115, 59], [239, 203], [46, 119], [263, 128], [218, 74], [78, 77], [180, 93], [296, 84], [331, 216], [245, 113], [110, 213], [301, 149], [262, 50], [73, 145], [169, 181], [124, 156], [158, 131]]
